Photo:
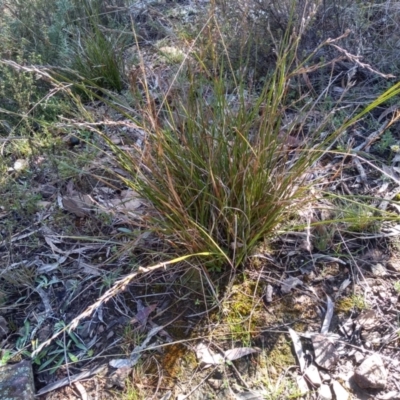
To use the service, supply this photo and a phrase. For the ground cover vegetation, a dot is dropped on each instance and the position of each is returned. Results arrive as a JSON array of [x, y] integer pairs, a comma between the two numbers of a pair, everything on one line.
[[185, 178]]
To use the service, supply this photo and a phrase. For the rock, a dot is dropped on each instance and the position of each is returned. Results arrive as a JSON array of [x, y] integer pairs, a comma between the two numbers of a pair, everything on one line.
[[358, 357], [268, 294], [16, 381], [371, 373], [394, 264], [378, 270], [325, 392], [339, 391], [216, 384], [312, 375]]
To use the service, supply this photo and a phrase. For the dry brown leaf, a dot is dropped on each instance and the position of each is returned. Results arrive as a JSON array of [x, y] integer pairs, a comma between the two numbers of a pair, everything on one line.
[[128, 202], [326, 355], [143, 314], [206, 356], [75, 206], [290, 283], [239, 352], [89, 269]]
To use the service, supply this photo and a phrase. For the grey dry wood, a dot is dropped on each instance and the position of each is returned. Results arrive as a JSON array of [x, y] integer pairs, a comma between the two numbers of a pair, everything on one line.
[[16, 382]]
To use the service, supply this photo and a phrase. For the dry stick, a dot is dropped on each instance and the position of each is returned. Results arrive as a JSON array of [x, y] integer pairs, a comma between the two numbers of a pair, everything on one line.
[[374, 136], [355, 59], [117, 288], [361, 170]]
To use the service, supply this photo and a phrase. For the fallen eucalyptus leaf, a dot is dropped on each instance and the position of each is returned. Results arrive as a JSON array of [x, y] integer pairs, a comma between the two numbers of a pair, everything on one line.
[[239, 352], [298, 348]]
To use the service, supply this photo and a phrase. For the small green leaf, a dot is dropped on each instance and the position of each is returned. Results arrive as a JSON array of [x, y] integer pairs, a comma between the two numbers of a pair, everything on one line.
[[73, 357], [125, 230]]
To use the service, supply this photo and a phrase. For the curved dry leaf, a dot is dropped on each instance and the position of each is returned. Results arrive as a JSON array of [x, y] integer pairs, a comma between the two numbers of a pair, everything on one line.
[[388, 111], [74, 207], [250, 395], [136, 353], [342, 288], [143, 314], [89, 269], [290, 283], [328, 315], [206, 356], [239, 352], [46, 268]]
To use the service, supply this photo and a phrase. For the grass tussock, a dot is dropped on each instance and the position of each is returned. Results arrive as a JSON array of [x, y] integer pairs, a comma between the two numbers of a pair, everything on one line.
[[221, 168]]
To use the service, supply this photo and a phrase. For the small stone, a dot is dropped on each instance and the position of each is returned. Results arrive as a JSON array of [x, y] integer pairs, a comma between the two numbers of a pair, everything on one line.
[[371, 373], [325, 392], [382, 295], [312, 374], [378, 270], [216, 384], [394, 264], [358, 357], [268, 294], [119, 377], [339, 391]]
